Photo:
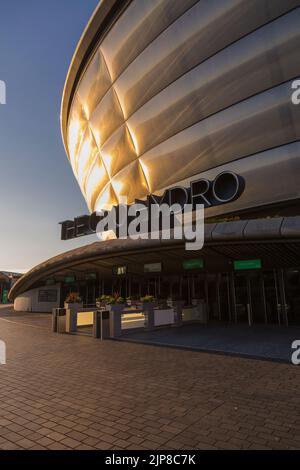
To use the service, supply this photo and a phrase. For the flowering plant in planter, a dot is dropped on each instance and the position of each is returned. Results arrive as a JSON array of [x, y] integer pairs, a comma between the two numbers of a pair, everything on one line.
[[103, 299], [73, 302], [116, 299], [147, 298], [111, 299], [73, 298]]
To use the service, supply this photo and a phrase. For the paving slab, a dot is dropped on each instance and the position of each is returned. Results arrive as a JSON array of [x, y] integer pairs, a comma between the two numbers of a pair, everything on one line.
[[76, 392]]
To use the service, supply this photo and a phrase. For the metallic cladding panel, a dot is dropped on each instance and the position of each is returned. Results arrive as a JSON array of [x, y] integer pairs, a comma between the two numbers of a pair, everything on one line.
[[177, 90], [263, 228], [232, 231], [290, 228], [230, 76], [271, 177], [264, 121], [140, 24], [207, 28]]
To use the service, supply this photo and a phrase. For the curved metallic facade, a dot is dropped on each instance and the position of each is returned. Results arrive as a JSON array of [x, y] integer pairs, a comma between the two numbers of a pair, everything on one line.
[[175, 90]]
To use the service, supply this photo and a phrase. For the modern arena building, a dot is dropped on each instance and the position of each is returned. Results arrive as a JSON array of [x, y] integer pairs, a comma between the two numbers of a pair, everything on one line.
[[170, 93]]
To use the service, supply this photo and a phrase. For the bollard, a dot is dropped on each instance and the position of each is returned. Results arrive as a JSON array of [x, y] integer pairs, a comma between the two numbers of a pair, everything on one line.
[[54, 320], [58, 320], [61, 321], [101, 326]]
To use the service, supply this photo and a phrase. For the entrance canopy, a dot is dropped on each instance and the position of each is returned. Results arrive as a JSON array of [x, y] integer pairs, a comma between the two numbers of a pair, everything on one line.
[[4, 278], [276, 242]]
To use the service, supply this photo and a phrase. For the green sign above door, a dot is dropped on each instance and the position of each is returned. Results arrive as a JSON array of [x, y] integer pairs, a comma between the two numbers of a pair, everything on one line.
[[247, 264], [196, 263], [91, 276]]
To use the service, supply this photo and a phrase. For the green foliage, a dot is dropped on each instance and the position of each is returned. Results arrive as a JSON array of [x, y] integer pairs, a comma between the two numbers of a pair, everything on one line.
[[147, 298], [133, 297], [111, 299]]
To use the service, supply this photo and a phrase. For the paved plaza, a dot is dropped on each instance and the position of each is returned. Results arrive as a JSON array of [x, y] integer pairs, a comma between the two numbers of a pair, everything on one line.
[[74, 392], [258, 341]]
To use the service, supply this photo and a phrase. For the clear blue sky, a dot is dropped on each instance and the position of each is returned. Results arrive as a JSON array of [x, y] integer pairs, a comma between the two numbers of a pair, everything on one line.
[[37, 187]]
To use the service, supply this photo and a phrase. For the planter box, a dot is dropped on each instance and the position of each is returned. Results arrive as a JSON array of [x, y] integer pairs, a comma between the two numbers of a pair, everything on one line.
[[146, 305], [74, 307], [115, 320], [71, 321], [178, 308], [163, 317], [148, 309], [117, 308]]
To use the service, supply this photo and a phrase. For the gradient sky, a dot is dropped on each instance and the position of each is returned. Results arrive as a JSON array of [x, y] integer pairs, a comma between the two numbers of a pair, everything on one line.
[[37, 187]]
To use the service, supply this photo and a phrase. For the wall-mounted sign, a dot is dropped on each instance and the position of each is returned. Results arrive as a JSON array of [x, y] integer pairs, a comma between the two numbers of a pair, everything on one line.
[[196, 263], [247, 264], [119, 270], [69, 279], [91, 276], [48, 295], [5, 296], [152, 268], [225, 188]]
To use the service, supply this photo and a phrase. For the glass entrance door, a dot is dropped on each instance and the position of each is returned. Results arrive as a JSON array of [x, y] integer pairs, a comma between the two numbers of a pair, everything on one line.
[[259, 298], [273, 307], [292, 295], [223, 297], [242, 298], [256, 310]]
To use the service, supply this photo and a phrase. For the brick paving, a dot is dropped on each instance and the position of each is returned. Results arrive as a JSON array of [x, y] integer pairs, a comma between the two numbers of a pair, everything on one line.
[[74, 392]]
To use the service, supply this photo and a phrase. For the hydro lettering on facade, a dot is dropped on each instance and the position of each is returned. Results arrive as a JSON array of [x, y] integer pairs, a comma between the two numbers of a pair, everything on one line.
[[225, 188]]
